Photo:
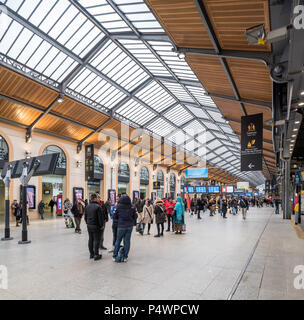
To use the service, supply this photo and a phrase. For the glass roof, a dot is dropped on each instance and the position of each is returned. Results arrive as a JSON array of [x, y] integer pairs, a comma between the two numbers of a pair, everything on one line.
[[116, 57]]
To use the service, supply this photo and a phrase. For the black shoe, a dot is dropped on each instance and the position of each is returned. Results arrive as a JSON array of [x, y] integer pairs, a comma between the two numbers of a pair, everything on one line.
[[91, 256], [98, 257], [157, 236], [161, 234], [167, 230], [103, 248]]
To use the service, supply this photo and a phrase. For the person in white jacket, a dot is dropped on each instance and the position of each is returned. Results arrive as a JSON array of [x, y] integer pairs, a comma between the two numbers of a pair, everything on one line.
[[147, 216]]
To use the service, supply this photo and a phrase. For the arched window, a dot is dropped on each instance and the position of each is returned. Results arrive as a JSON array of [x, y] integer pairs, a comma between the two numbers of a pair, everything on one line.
[[160, 177], [144, 176], [172, 181], [3, 149], [98, 165], [183, 180], [61, 163], [123, 172]]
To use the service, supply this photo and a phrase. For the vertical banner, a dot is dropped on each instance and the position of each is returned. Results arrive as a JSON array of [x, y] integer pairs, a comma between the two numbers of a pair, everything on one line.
[[252, 143], [89, 162]]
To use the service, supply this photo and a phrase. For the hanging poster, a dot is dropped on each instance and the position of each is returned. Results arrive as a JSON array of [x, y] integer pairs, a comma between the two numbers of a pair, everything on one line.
[[252, 142]]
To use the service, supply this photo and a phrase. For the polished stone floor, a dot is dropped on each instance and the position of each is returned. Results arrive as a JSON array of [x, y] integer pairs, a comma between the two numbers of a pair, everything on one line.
[[204, 263]]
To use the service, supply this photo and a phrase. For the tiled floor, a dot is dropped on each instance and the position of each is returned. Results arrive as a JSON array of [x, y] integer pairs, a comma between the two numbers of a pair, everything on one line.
[[204, 263]]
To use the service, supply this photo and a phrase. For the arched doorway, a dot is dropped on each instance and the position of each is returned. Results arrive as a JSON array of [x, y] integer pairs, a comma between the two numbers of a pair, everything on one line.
[[144, 183], [54, 185], [4, 157], [123, 179], [172, 185], [160, 179], [97, 184]]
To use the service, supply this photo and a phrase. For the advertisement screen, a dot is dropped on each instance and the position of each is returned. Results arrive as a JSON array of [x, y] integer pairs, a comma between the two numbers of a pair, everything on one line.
[[190, 189], [227, 189], [215, 189], [59, 204], [135, 194], [196, 173], [31, 196], [243, 185], [78, 194], [200, 189], [112, 196]]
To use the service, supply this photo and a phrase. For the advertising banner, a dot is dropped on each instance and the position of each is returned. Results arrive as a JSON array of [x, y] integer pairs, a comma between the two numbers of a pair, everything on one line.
[[243, 185], [196, 173], [252, 142]]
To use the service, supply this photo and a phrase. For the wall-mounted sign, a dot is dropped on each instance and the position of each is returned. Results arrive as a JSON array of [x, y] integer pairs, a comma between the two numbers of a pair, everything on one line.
[[243, 185], [89, 162], [201, 189], [214, 189], [227, 189], [252, 142], [196, 173], [156, 185]]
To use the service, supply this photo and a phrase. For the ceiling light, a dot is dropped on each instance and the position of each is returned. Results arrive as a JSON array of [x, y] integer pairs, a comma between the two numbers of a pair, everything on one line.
[[297, 122], [294, 135], [181, 55], [292, 141], [60, 100], [295, 129], [302, 93], [301, 104]]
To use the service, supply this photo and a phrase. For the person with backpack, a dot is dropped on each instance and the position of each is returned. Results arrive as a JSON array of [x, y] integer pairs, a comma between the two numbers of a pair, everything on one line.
[[68, 218], [52, 203], [106, 219], [41, 207], [244, 205], [147, 216], [78, 211], [224, 207], [114, 224], [179, 216], [94, 217], [160, 217], [126, 216], [211, 205], [16, 212]]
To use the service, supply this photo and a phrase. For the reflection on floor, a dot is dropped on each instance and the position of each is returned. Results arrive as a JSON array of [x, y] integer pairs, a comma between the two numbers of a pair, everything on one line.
[[204, 263]]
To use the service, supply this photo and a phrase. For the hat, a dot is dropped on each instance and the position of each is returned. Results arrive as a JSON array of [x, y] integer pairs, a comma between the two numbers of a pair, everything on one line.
[[158, 200]]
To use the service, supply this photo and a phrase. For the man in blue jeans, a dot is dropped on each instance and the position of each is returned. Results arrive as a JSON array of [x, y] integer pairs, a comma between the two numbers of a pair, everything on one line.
[[126, 216]]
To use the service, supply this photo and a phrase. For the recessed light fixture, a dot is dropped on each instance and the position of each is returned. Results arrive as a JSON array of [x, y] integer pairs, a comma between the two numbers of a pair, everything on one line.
[[302, 93], [60, 100], [301, 104], [181, 55], [297, 122], [295, 129], [294, 135]]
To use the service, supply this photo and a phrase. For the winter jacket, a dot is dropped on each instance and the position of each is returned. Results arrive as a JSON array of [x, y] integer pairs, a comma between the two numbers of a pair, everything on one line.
[[41, 207], [159, 213], [125, 213], [148, 214], [76, 212], [169, 207], [94, 216], [115, 221]]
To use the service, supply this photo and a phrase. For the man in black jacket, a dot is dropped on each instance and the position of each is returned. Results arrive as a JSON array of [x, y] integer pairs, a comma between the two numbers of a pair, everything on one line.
[[94, 217]]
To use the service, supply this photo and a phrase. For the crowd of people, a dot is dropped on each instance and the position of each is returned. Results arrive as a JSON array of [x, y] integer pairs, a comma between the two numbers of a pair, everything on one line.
[[125, 215]]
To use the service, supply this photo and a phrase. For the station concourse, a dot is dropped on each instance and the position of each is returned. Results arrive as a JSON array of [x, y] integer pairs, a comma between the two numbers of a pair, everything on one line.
[[188, 112]]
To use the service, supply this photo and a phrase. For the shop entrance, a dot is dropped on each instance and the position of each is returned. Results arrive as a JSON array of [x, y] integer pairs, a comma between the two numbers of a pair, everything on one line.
[[95, 186]]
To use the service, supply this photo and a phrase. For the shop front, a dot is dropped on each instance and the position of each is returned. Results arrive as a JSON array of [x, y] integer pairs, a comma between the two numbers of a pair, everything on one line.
[[4, 155], [144, 183], [123, 186], [160, 179], [54, 185], [172, 185]]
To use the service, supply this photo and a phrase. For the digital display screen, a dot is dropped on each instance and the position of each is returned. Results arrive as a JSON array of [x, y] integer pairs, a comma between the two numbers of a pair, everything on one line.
[[196, 173], [201, 189], [215, 189], [190, 189], [227, 189]]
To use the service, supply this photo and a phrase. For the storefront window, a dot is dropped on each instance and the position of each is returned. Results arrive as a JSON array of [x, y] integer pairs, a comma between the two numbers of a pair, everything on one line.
[[61, 163]]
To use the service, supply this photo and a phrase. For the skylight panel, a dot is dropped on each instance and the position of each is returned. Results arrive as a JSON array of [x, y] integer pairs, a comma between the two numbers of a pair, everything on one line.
[[161, 127], [136, 112], [198, 112], [194, 128], [178, 91], [178, 115], [214, 144]]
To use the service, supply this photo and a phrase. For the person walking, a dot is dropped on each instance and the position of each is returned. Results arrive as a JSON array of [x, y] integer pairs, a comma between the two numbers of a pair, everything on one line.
[[51, 204], [199, 207], [68, 218], [244, 205], [16, 212], [179, 216], [224, 207], [78, 211], [277, 204], [169, 210], [106, 219], [126, 216], [94, 218], [160, 217], [147, 216], [41, 207]]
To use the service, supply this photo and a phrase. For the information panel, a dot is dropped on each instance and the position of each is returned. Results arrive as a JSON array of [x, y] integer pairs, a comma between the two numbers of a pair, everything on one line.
[[214, 189], [196, 173], [252, 142], [89, 162], [201, 189], [227, 189]]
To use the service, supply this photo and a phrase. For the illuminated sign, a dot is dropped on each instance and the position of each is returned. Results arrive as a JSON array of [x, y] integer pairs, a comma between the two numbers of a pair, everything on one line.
[[196, 173], [227, 189], [201, 189], [215, 189]]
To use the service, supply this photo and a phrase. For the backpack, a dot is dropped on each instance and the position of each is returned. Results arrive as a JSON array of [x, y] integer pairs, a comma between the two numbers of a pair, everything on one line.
[[120, 255]]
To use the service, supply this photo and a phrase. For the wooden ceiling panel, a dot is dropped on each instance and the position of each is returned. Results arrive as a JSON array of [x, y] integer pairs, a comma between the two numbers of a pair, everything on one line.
[[231, 18], [211, 73], [18, 87], [182, 21], [229, 109], [267, 113], [78, 112], [17, 113], [252, 79], [49, 123]]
